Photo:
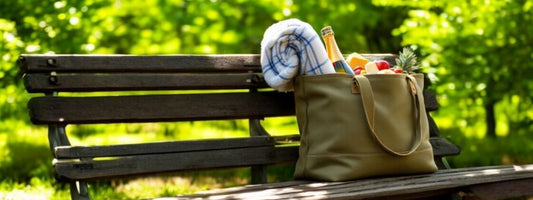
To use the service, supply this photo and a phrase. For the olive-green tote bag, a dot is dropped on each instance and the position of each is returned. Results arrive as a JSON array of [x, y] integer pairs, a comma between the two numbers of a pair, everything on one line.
[[361, 126]]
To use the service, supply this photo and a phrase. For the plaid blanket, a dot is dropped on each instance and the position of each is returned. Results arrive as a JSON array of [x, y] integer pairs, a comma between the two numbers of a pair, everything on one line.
[[290, 48]]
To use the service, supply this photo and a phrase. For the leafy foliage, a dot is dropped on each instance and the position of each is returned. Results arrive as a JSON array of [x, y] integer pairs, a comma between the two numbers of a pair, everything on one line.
[[481, 54]]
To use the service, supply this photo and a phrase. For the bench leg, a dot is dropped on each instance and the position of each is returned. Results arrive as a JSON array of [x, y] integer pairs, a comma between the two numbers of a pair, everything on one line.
[[79, 191], [58, 137], [258, 173]]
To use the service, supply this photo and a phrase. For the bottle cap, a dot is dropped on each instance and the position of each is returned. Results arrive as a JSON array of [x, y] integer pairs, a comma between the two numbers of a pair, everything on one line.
[[326, 30]]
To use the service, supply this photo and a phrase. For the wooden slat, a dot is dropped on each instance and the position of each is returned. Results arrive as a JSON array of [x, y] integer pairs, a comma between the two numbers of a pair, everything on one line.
[[431, 185], [159, 163], [303, 184], [502, 190], [433, 128], [159, 108], [138, 63], [72, 152], [430, 100], [402, 187], [30, 63], [38, 82], [442, 147]]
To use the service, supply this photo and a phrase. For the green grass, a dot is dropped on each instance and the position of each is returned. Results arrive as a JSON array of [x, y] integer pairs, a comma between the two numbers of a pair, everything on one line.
[[503, 150], [26, 173]]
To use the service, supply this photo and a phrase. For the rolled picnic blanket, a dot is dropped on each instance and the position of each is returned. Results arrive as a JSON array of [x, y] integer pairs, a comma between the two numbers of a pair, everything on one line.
[[290, 48]]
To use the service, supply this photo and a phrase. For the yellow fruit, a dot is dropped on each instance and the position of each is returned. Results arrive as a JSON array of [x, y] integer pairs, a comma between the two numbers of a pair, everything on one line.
[[356, 59]]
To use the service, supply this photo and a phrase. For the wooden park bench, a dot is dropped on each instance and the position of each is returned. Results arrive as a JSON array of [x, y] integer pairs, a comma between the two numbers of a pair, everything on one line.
[[234, 89]]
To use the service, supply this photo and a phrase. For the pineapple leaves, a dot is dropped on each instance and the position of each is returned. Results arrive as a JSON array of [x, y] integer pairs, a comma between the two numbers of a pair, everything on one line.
[[407, 60]]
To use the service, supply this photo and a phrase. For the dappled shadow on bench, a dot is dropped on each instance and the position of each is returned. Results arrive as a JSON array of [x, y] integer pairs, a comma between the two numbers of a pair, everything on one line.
[[481, 182]]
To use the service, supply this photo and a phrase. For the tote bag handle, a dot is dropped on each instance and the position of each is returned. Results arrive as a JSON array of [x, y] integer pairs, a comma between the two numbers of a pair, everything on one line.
[[367, 96]]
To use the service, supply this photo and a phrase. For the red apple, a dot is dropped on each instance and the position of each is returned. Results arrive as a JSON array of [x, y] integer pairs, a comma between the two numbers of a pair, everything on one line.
[[357, 70], [382, 64], [398, 70]]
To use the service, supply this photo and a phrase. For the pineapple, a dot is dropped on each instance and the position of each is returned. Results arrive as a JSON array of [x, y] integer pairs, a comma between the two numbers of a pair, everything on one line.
[[407, 60]]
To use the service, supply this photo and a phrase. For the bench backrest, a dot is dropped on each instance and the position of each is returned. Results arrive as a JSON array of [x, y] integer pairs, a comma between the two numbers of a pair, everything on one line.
[[233, 87], [51, 74], [64, 73]]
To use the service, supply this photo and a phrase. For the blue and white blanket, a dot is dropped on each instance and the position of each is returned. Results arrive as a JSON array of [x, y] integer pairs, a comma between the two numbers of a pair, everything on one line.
[[290, 48]]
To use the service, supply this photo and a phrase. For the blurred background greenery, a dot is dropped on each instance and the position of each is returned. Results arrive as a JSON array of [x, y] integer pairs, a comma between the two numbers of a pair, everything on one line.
[[476, 53]]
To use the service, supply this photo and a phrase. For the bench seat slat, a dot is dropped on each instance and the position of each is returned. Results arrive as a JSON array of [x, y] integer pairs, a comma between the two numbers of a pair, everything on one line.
[[361, 184], [72, 152], [400, 187], [433, 184], [42, 83], [159, 108], [159, 163], [500, 190]]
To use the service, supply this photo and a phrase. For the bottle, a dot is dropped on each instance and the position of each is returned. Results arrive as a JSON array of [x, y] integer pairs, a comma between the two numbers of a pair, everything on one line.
[[334, 53]]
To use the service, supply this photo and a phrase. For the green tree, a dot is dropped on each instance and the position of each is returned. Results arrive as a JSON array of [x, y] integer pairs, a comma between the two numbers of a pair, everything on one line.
[[359, 26], [481, 52], [30, 26], [173, 27]]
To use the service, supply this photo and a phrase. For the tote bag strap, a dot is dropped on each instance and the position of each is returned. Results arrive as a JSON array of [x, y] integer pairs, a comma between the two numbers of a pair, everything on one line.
[[367, 97]]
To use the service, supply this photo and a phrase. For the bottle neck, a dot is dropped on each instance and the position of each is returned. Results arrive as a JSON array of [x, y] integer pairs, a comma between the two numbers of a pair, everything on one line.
[[334, 54]]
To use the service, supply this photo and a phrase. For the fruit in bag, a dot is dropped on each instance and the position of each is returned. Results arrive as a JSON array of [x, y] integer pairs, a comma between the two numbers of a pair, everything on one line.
[[356, 60]]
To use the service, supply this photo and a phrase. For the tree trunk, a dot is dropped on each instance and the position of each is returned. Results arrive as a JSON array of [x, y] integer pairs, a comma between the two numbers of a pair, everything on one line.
[[490, 119]]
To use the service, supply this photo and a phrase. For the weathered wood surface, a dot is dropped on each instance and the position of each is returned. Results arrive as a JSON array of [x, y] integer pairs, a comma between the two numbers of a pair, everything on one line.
[[86, 73], [135, 159], [139, 63], [430, 100], [145, 63], [159, 108], [454, 181], [171, 162], [72, 152], [440, 147], [41, 82], [504, 189]]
